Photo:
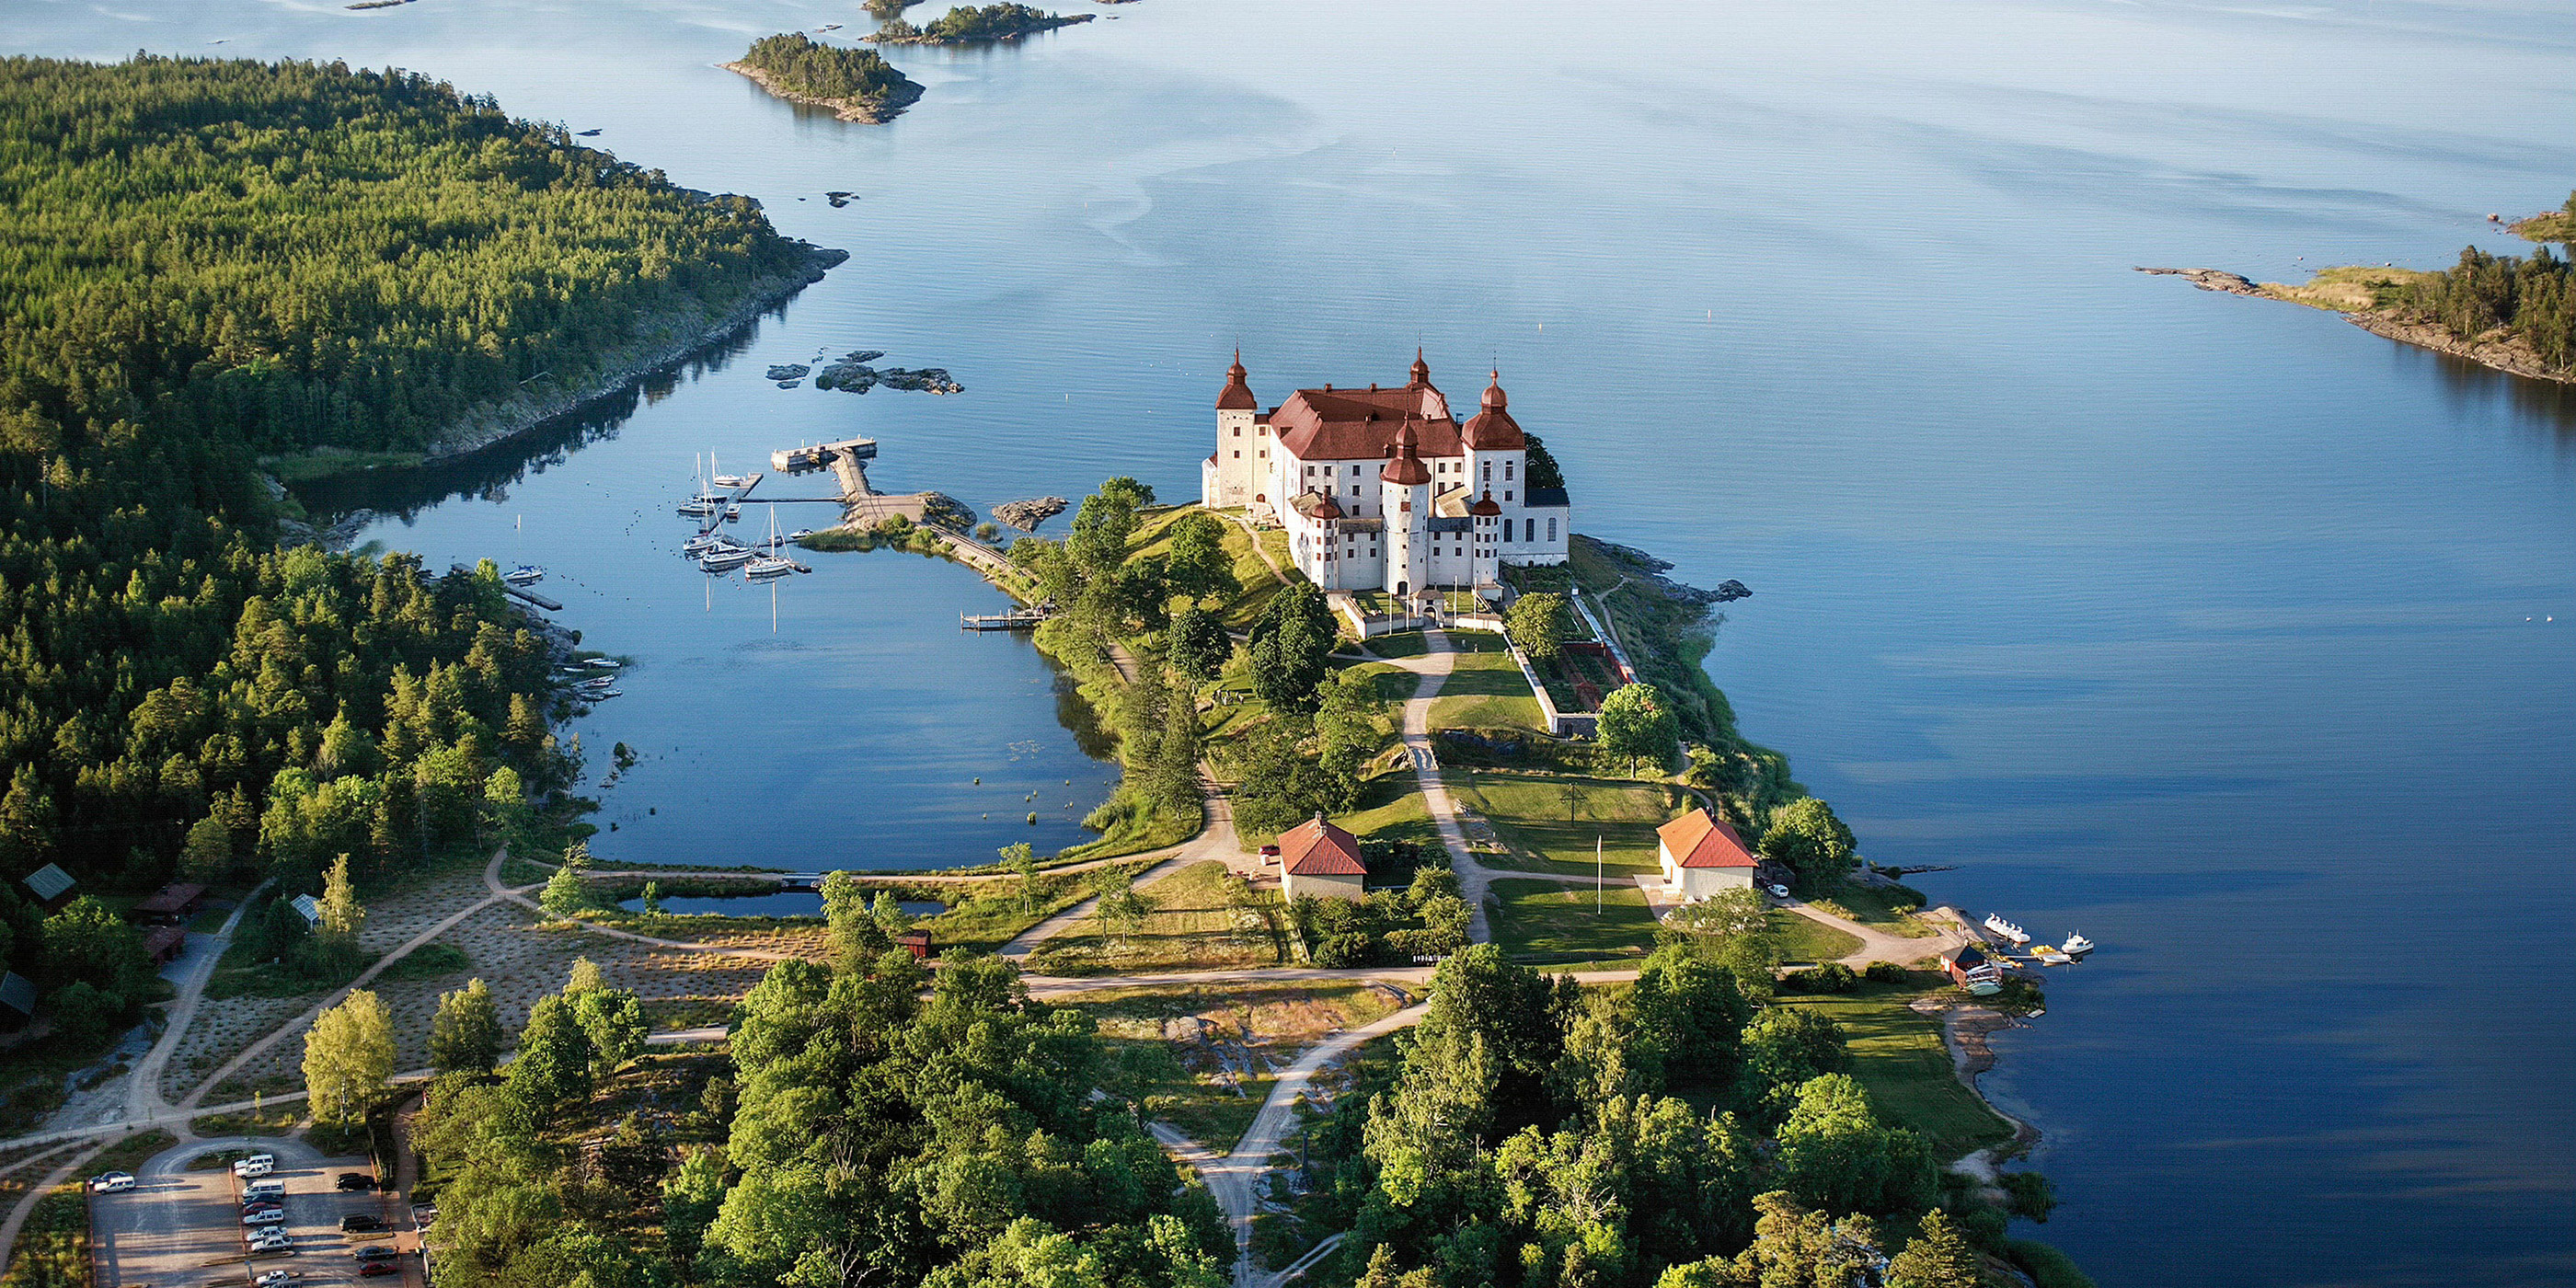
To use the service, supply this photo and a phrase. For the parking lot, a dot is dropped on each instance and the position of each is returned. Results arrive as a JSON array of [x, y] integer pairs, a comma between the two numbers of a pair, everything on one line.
[[182, 1229]]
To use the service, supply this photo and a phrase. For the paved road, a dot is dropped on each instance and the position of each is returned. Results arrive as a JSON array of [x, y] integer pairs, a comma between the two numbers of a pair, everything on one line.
[[1432, 671], [1876, 945], [143, 1085]]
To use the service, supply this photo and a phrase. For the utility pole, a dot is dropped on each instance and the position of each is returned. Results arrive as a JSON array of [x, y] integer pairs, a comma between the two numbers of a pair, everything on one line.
[[1596, 874]]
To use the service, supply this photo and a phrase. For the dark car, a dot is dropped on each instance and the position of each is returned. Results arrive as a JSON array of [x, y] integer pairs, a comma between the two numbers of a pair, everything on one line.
[[376, 1252], [356, 1181], [360, 1223], [375, 1268]]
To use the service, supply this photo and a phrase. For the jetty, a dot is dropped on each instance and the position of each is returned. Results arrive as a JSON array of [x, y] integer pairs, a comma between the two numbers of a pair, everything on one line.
[[533, 598], [1018, 619]]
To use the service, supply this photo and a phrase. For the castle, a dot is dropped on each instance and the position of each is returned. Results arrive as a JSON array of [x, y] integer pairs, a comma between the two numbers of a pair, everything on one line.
[[1382, 488]]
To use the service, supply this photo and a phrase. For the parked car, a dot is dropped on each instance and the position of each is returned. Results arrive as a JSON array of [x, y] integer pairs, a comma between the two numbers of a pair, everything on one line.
[[375, 1268], [262, 1209], [111, 1182], [1779, 892], [360, 1223], [265, 1216], [275, 1279], [1270, 854], [255, 1165], [270, 1238], [376, 1252], [356, 1181], [273, 1190]]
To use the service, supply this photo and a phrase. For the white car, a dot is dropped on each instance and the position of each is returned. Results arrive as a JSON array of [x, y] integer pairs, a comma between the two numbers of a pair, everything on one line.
[[111, 1182], [255, 1165], [266, 1216], [1779, 892], [275, 1278], [270, 1236]]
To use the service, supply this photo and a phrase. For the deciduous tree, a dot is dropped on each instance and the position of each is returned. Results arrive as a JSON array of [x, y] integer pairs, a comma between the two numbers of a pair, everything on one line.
[[465, 1035], [348, 1057]]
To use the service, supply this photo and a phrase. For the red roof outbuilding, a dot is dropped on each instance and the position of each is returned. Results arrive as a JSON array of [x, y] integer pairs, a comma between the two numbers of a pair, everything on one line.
[[1316, 848], [1699, 840]]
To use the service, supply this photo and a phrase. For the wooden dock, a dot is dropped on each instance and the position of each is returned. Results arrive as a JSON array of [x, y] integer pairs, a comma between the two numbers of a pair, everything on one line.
[[534, 598], [1018, 619]]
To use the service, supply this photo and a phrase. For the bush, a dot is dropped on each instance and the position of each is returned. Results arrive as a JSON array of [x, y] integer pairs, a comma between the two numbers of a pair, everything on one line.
[[1886, 973], [1347, 949], [2032, 1197], [1832, 977], [85, 1016], [2048, 1267]]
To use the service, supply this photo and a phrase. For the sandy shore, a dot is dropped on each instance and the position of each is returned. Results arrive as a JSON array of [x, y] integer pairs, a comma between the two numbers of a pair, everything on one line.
[[1966, 1028]]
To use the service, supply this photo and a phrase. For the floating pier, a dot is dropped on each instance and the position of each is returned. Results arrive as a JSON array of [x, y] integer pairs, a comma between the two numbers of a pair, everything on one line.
[[534, 598], [1018, 619]]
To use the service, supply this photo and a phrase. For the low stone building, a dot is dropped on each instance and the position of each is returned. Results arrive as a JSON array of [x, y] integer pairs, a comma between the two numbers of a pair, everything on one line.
[[1319, 859], [1701, 856]]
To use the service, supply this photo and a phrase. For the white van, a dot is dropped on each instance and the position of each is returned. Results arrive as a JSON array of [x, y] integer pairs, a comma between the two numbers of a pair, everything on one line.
[[255, 1165], [273, 1190]]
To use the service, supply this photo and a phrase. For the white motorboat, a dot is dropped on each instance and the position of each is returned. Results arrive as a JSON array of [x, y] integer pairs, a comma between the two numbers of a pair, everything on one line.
[[595, 682], [2077, 945], [800, 534], [700, 544], [601, 695], [732, 480], [725, 560], [1996, 923], [697, 509], [732, 512], [524, 575]]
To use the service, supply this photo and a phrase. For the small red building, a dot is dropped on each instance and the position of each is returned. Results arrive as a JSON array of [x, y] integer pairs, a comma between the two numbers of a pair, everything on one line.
[[917, 942], [165, 943], [172, 906]]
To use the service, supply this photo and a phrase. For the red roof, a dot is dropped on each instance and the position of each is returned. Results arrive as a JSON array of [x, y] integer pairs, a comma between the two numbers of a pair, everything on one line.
[[164, 939], [1316, 848], [1485, 507], [1493, 429], [172, 898], [1236, 396], [1360, 424], [1407, 469], [1699, 840]]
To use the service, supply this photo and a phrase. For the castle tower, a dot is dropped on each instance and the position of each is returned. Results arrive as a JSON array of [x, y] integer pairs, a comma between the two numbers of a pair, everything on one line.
[[1486, 550], [1404, 488], [1233, 475]]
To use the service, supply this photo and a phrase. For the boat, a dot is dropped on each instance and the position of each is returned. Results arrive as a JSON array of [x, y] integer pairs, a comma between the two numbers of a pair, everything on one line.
[[2051, 957], [800, 534], [701, 543], [524, 575], [698, 509], [732, 512], [767, 566], [2077, 945], [596, 682], [732, 480], [1996, 923], [725, 560], [1985, 987], [601, 695]]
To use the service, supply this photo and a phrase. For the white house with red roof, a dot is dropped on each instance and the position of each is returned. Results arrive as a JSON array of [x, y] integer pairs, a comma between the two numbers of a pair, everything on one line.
[[1382, 488], [1701, 856], [1319, 859]]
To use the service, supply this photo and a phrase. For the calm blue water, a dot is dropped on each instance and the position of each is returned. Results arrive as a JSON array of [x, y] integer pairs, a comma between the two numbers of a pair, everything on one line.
[[2215, 629]]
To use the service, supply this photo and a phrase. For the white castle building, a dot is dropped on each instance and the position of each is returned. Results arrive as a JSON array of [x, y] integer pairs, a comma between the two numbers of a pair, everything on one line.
[[1382, 488]]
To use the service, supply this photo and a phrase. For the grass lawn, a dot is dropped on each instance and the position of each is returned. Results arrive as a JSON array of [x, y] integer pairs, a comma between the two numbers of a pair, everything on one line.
[[1876, 907], [1188, 925], [1392, 810], [1898, 1054], [994, 915], [1485, 690], [1542, 918], [1202, 1056], [1402, 644], [1547, 832], [1811, 941]]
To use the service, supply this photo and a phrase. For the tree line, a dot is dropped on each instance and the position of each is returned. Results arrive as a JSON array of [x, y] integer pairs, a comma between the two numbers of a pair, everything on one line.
[[2534, 296], [798, 64], [1534, 1134], [180, 695]]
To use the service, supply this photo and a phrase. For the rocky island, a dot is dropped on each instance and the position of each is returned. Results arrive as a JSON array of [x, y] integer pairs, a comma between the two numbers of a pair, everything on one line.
[[968, 25], [2513, 313], [856, 84]]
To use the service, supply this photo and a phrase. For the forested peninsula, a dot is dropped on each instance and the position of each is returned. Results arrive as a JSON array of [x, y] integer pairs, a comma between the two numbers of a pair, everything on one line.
[[205, 262], [968, 25], [2514, 313], [857, 84]]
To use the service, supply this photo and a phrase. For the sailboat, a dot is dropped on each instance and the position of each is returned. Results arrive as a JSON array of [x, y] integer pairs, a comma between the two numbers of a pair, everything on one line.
[[726, 480], [765, 566], [725, 559]]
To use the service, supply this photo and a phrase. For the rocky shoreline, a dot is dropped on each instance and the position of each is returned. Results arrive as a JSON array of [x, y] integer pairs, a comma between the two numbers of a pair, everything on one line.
[[865, 111], [899, 32], [2498, 350], [507, 420]]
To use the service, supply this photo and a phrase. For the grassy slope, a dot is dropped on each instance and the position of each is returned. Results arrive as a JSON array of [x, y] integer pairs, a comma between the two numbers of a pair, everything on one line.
[[1543, 918], [2347, 289], [1190, 926], [1898, 1054], [1808, 941], [1531, 815], [1486, 690]]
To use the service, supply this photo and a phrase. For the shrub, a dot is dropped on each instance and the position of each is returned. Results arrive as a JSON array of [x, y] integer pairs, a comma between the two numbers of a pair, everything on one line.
[[1886, 973], [1831, 977]]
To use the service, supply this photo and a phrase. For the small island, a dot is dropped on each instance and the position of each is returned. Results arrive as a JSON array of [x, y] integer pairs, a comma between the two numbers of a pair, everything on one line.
[[856, 84], [968, 25], [2513, 313]]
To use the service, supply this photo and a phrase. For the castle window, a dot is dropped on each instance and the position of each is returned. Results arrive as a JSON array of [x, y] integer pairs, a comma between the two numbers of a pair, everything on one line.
[[1238, 431], [1238, 453], [1507, 495], [1507, 469], [1551, 529], [1489, 471], [1529, 529], [1265, 453]]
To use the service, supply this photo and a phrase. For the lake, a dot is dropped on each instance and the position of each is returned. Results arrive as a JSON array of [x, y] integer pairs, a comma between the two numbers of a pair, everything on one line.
[[2216, 629]]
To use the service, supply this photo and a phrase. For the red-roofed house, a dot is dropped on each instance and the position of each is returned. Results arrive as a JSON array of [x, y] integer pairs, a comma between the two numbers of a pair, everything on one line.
[[1701, 856], [1382, 488], [1319, 859]]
